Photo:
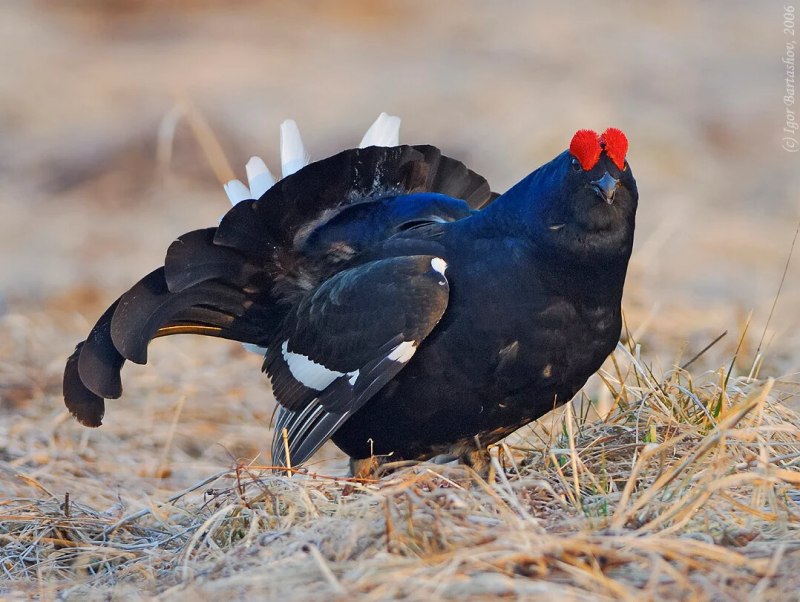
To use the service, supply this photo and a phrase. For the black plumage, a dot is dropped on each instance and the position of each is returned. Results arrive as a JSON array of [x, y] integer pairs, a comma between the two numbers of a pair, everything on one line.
[[363, 324], [406, 309]]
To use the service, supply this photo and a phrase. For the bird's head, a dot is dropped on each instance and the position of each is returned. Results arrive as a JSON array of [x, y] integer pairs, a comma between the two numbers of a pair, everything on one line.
[[600, 168], [583, 203]]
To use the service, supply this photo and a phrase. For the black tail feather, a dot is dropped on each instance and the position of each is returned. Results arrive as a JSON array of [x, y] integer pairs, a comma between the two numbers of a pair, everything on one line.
[[255, 329], [99, 361], [86, 406], [454, 179], [149, 305], [92, 373], [194, 258]]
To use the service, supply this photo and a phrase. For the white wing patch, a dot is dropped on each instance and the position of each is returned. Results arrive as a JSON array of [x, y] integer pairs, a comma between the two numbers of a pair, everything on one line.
[[403, 352], [384, 132], [293, 153], [311, 374], [315, 376], [308, 372], [439, 265]]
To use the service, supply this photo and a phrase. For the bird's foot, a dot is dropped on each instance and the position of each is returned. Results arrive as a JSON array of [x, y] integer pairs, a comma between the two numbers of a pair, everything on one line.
[[376, 467], [366, 468], [478, 460]]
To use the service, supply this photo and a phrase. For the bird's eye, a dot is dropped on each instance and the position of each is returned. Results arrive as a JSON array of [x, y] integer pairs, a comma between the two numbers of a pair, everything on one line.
[[576, 164]]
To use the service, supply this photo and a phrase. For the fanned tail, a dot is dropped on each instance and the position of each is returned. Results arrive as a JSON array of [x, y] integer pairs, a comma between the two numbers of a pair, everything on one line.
[[203, 289], [319, 191], [239, 280]]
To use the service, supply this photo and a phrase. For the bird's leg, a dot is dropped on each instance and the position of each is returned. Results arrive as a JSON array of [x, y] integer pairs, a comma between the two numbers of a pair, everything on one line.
[[478, 459], [376, 467], [366, 468]]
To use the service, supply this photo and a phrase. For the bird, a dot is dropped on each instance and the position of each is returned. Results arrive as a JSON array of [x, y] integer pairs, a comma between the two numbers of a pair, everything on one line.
[[404, 310]]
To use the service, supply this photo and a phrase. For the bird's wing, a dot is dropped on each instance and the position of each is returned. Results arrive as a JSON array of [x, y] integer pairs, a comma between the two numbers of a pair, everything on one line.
[[344, 341]]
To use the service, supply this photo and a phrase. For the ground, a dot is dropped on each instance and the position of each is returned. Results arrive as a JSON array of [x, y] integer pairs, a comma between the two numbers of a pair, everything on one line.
[[689, 487]]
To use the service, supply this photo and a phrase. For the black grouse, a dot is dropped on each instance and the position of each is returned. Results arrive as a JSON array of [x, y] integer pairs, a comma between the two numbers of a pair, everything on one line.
[[405, 310]]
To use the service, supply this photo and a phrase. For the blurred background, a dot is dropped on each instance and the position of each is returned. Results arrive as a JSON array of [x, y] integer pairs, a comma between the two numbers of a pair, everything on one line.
[[92, 194]]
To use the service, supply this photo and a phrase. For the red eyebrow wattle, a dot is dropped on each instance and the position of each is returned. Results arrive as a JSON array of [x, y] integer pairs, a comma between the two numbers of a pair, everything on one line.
[[615, 143], [585, 147]]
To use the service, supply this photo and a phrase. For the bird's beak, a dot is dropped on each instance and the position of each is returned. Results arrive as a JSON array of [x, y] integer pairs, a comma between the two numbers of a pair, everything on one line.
[[606, 187]]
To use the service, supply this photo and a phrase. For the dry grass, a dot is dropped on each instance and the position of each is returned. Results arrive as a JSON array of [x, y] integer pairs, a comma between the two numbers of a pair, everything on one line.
[[689, 488]]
